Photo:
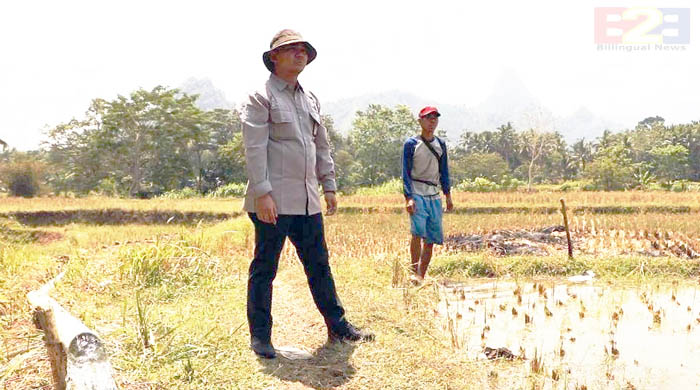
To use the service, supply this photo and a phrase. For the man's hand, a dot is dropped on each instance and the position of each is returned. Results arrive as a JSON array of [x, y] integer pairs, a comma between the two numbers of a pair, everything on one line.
[[411, 206], [265, 209], [450, 205], [331, 203]]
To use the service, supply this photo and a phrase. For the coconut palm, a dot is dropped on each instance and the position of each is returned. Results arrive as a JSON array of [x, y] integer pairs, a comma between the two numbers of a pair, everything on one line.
[[582, 152]]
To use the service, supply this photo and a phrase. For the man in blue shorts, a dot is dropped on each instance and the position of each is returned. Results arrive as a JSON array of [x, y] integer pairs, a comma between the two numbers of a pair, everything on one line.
[[424, 173]]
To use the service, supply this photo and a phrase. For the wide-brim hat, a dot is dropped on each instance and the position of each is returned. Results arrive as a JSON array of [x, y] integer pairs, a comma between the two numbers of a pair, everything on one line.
[[286, 37]]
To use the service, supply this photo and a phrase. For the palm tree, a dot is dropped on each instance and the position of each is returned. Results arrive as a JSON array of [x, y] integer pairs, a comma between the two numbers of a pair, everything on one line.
[[582, 152], [506, 140]]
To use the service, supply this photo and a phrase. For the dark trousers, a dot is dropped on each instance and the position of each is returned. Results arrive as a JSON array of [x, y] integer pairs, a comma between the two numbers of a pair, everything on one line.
[[306, 233]]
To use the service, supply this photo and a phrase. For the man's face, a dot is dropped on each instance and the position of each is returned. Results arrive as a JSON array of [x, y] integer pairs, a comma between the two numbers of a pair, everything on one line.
[[290, 58], [429, 123]]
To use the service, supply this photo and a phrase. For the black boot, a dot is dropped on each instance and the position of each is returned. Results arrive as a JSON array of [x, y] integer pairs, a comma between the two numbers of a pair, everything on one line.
[[347, 333], [262, 348]]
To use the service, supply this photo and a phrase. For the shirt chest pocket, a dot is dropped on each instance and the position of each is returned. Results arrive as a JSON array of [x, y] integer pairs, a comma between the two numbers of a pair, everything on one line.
[[282, 124]]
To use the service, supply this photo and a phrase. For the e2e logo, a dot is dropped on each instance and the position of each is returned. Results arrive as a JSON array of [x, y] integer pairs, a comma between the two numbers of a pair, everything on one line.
[[640, 25]]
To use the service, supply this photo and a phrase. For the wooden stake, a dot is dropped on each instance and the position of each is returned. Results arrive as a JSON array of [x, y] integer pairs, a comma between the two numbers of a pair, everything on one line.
[[566, 226]]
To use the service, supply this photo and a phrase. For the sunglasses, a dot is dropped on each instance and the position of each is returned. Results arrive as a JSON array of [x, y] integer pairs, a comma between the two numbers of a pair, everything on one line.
[[433, 115]]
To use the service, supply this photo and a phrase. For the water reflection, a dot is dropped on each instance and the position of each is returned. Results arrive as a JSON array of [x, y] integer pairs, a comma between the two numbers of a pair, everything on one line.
[[596, 334]]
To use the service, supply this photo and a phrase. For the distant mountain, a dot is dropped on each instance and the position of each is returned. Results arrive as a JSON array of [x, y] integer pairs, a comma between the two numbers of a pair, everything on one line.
[[584, 124], [510, 101], [209, 96]]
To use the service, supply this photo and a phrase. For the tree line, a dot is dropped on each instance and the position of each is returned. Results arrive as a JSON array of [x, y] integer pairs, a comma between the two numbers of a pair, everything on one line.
[[153, 142]]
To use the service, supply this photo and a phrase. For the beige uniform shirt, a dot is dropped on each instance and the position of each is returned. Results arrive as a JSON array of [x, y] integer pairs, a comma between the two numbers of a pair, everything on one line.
[[287, 149]]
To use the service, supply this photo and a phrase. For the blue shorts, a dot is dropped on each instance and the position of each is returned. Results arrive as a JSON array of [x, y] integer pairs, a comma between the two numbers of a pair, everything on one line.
[[426, 222]]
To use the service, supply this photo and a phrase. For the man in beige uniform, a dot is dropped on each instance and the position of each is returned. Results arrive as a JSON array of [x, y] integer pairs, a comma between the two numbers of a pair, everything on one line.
[[287, 156]]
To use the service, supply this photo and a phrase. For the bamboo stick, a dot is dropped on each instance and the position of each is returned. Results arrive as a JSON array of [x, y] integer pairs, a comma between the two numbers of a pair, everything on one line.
[[78, 358], [566, 226]]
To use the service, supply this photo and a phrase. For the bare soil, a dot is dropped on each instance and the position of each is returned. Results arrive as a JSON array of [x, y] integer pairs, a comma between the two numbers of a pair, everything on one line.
[[552, 239]]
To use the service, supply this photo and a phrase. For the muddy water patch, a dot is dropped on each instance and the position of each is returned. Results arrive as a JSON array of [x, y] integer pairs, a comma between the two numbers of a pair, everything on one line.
[[596, 334]]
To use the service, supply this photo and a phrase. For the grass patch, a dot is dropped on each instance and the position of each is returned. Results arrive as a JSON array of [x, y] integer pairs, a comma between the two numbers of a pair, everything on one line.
[[460, 266]]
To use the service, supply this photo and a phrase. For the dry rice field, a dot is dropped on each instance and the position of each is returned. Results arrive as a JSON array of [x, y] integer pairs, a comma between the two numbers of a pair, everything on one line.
[[163, 283]]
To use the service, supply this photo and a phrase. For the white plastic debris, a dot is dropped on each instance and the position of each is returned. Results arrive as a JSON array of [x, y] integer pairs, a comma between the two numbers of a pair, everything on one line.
[[293, 353], [584, 277]]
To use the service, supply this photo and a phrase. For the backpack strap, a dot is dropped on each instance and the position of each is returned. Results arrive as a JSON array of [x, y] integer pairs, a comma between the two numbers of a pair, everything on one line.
[[437, 156], [425, 182], [432, 150]]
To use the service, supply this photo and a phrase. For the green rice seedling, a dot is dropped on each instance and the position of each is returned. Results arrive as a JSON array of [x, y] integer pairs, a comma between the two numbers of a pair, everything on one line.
[[144, 330], [144, 267], [188, 371]]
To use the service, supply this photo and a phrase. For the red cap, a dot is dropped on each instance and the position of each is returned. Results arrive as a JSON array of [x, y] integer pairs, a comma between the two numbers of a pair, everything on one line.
[[428, 110]]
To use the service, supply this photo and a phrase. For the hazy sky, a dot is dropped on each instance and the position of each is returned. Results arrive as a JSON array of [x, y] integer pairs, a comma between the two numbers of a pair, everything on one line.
[[58, 55]]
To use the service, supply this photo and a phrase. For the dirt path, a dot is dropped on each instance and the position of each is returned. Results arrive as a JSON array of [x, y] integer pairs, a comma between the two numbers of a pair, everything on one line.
[[299, 324]]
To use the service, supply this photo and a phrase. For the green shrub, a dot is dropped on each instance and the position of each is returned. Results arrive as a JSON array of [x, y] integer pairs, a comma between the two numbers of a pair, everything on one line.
[[108, 186], [232, 190], [393, 186], [590, 187], [509, 183], [693, 186], [680, 186], [656, 187], [22, 178], [567, 186], [184, 193], [479, 184], [577, 185]]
